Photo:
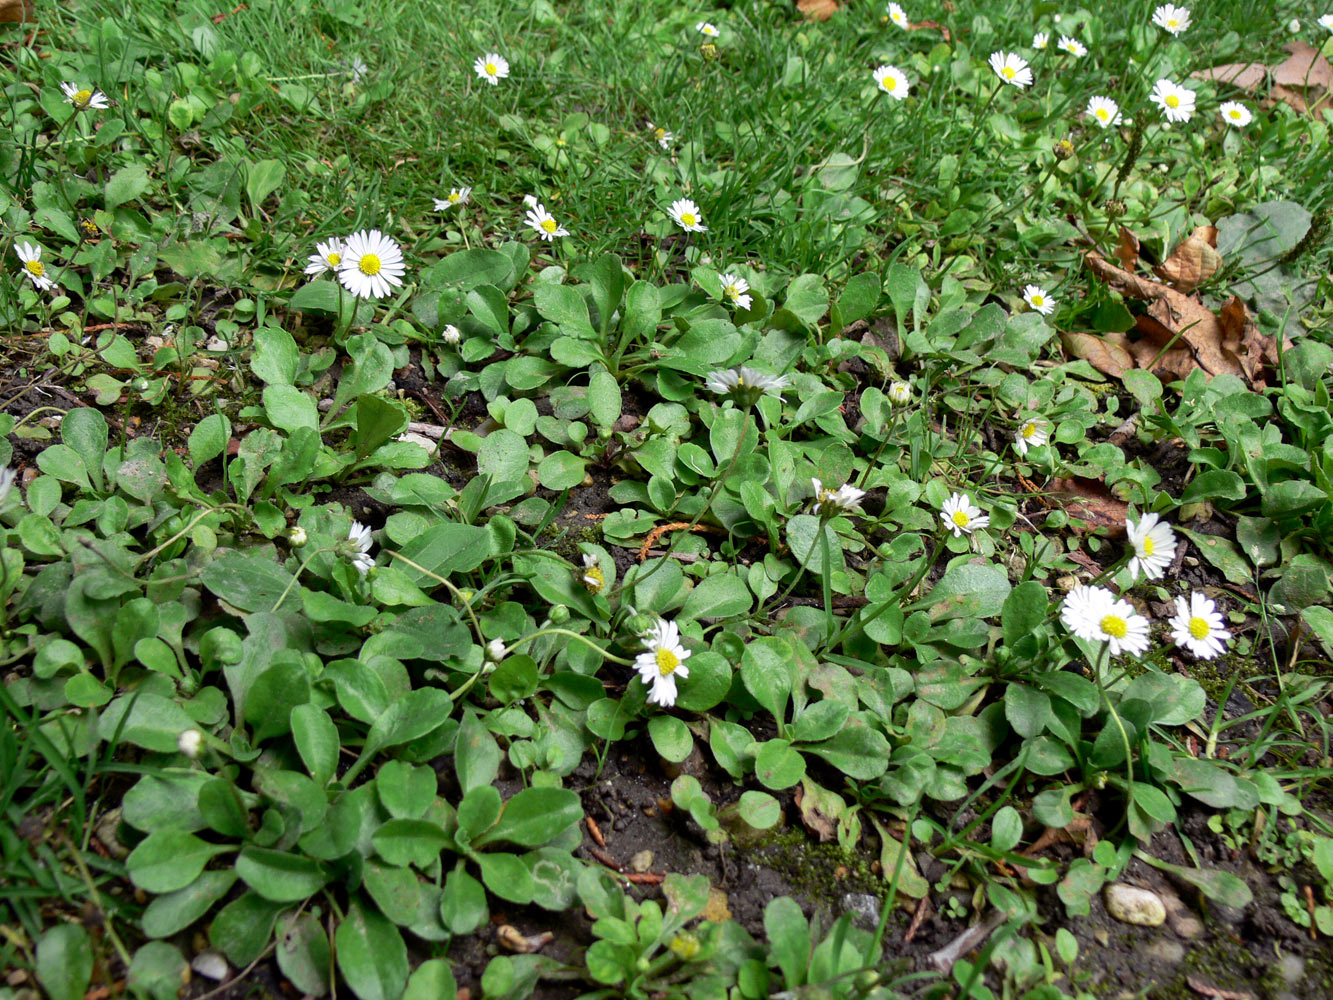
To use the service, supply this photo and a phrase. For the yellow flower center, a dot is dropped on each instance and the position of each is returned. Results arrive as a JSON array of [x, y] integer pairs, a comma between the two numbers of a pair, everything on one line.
[[455, 197], [1199, 628], [35, 267], [369, 264], [1172, 22], [1008, 73], [961, 519], [334, 259], [732, 292], [1029, 429], [660, 134], [593, 578], [1038, 300], [688, 218], [549, 225], [667, 661], [1235, 115], [1148, 547], [491, 69], [1172, 101], [1103, 114], [81, 98], [1115, 626]]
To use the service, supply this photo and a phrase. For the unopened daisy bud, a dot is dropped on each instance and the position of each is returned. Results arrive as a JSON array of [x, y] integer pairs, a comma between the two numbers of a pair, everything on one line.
[[297, 537], [496, 650], [685, 945], [190, 742], [639, 624], [450, 334], [1064, 149], [559, 614], [900, 393]]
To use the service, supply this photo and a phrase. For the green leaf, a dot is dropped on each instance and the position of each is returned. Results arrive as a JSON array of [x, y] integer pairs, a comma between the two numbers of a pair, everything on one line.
[[146, 720], [561, 471], [1221, 886], [478, 812], [303, 953], [279, 876], [476, 754], [407, 792], [671, 737], [316, 740], [242, 928], [777, 765], [968, 591], [564, 306], [859, 297], [65, 962], [721, 595], [275, 357], [318, 296], [371, 370], [507, 876], [262, 179], [463, 902], [857, 750], [604, 401], [1214, 484], [377, 420], [1222, 553], [246, 581], [157, 971], [1023, 610], [371, 955], [432, 980], [804, 538], [1320, 620], [766, 670], [446, 548], [125, 184], [503, 455], [172, 913], [1027, 709], [414, 715], [168, 860], [789, 938], [533, 817], [85, 430], [759, 809], [468, 269]]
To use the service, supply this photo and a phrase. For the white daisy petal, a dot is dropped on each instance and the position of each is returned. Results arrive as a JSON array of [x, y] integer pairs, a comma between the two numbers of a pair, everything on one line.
[[960, 515], [1094, 614], [662, 662], [1154, 546], [492, 67], [1176, 102], [371, 265], [1011, 68], [543, 223], [687, 215], [1032, 433], [892, 81], [33, 266], [327, 256], [1198, 627], [1039, 299], [1171, 18]]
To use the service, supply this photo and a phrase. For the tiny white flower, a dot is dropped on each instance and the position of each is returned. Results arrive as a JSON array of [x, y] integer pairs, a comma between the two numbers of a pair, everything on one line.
[[900, 393], [84, 98], [543, 222], [456, 198], [371, 265], [450, 334], [1104, 111], [1154, 545], [1326, 22], [1033, 434], [687, 216], [593, 578], [734, 289], [709, 30], [898, 16], [297, 537], [1094, 614], [745, 378], [892, 81], [1040, 40], [6, 483], [1073, 46], [1198, 627], [1294, 26], [327, 256], [961, 517], [531, 200], [1235, 114], [1039, 299], [492, 67], [1171, 18], [359, 536], [663, 137], [1012, 68], [31, 255], [846, 499], [496, 650], [357, 69], [1176, 102], [189, 742], [662, 662]]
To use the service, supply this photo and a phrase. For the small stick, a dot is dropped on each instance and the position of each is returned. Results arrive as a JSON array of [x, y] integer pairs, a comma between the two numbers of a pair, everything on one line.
[[922, 908], [606, 859], [1199, 986], [944, 959], [645, 878], [1309, 903], [594, 831]]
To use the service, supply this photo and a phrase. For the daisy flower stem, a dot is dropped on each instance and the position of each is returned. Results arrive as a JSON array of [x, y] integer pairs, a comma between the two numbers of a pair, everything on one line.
[[573, 635], [1102, 659], [296, 576], [981, 116], [826, 567], [467, 605]]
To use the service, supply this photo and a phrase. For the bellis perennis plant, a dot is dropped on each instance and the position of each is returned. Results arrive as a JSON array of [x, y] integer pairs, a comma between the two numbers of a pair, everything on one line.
[[662, 663], [961, 516], [1094, 614], [1154, 546]]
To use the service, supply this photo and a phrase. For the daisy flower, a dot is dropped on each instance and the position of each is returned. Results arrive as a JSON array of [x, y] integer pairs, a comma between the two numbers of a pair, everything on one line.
[[706, 29], [687, 216], [1095, 614], [846, 499], [1011, 68], [1197, 626], [892, 81], [371, 265], [492, 67], [1039, 299], [456, 197], [1235, 114], [1033, 434], [1172, 18], [1326, 22], [593, 577], [898, 16], [900, 393], [663, 137], [450, 334], [31, 255], [1176, 102], [1040, 40], [961, 517], [1073, 46], [544, 223], [662, 662], [735, 289], [1154, 545], [746, 378], [357, 69], [359, 537], [327, 256], [1104, 111], [84, 98], [189, 742]]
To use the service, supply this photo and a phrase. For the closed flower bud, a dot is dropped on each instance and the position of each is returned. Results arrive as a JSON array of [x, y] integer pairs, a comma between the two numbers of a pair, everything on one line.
[[190, 742], [559, 614], [297, 537]]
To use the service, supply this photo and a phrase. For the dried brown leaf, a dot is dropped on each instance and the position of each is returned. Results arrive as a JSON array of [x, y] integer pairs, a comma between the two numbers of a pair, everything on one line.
[[1089, 500], [1127, 249], [1193, 262], [1246, 76], [815, 820], [917, 25], [1305, 67], [817, 10], [17, 10], [1160, 351], [1107, 355]]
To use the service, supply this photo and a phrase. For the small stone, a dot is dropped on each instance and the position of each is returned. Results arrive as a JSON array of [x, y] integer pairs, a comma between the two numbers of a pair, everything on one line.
[[864, 909], [1165, 950], [1291, 968], [211, 965], [717, 910], [641, 861], [1132, 905]]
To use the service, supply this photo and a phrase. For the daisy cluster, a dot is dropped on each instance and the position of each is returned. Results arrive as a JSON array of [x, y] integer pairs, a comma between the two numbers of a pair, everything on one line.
[[367, 263]]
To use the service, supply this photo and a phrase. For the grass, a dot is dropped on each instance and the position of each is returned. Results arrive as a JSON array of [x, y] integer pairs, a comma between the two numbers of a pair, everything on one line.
[[387, 760]]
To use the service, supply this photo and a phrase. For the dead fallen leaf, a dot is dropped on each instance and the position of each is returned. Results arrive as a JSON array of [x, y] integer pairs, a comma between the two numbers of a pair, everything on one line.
[[1246, 76], [918, 25], [1303, 80], [1160, 351], [1127, 249], [1305, 67], [17, 10], [817, 10], [1106, 353], [1089, 500], [1191, 263], [823, 826]]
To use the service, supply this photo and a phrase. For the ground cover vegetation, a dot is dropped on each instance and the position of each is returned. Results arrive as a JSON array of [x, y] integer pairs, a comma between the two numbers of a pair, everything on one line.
[[514, 499]]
